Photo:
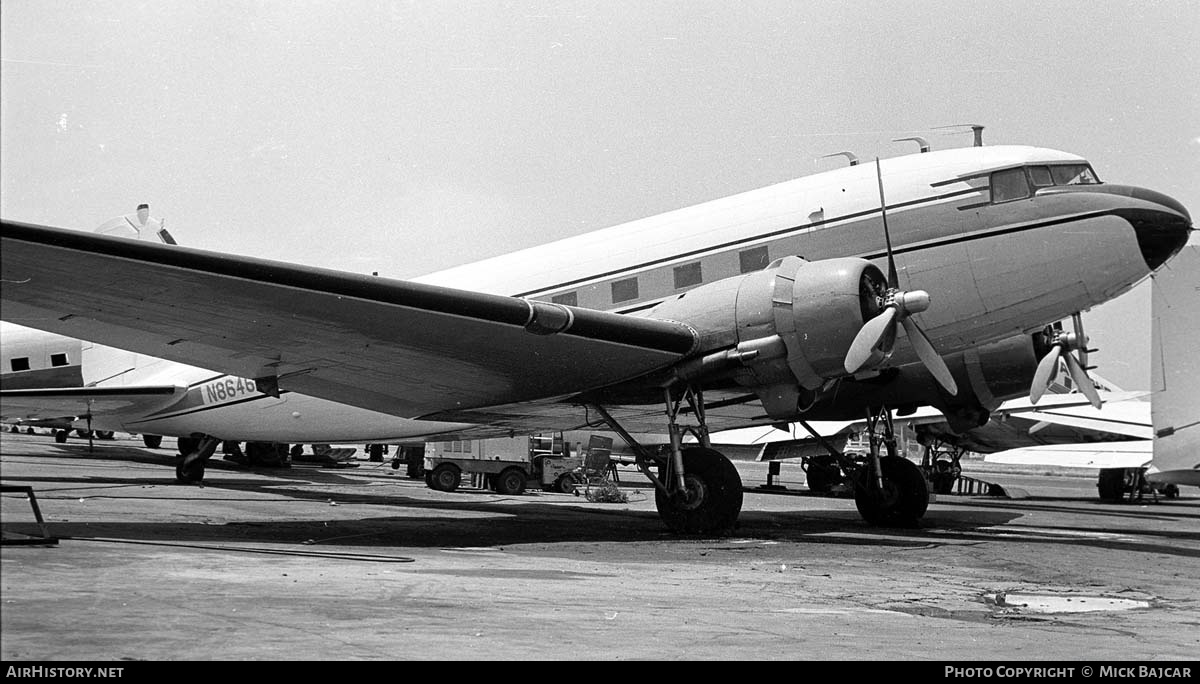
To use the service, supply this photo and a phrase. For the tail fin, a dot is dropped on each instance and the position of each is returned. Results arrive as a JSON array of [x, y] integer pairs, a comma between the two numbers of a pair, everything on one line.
[[108, 365], [138, 225], [1175, 367]]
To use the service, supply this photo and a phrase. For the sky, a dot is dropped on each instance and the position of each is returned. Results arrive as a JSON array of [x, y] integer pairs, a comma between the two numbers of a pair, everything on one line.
[[402, 138]]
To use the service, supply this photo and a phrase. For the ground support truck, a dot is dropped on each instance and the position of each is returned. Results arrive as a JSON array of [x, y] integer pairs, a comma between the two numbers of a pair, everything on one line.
[[506, 465]]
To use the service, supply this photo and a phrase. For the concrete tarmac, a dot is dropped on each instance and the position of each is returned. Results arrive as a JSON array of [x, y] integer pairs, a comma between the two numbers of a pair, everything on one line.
[[362, 563]]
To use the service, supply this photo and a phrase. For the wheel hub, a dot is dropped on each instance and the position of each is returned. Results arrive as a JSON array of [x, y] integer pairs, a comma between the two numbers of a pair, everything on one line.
[[693, 497], [889, 494]]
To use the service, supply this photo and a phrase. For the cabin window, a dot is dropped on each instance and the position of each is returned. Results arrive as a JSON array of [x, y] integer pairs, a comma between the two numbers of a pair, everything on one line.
[[20, 364], [753, 259], [1009, 185], [1073, 174], [1040, 176], [624, 290], [688, 275], [58, 360], [566, 299]]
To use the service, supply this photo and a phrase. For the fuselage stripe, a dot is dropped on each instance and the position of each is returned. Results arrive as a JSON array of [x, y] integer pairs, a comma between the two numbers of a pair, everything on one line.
[[753, 238], [200, 409], [982, 235]]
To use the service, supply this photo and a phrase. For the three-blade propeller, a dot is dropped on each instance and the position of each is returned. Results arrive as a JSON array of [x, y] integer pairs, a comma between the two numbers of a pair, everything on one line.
[[875, 340], [1062, 344]]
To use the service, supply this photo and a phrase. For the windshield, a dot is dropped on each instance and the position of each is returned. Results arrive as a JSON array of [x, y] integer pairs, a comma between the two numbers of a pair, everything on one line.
[[1013, 184], [1073, 174]]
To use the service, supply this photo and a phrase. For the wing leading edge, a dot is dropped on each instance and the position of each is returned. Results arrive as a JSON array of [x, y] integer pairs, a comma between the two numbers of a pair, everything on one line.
[[397, 347]]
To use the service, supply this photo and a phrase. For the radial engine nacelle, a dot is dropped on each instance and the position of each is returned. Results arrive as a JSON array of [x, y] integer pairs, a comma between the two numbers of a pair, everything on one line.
[[782, 331], [987, 375]]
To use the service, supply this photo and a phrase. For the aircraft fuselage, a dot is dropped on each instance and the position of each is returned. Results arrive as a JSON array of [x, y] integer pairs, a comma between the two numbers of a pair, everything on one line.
[[1005, 239]]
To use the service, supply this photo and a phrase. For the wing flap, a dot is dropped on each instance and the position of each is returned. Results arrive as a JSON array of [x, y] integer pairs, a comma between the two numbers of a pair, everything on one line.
[[398, 347]]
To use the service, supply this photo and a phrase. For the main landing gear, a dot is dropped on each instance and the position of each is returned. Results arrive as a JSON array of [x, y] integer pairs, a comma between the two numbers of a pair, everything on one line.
[[941, 465], [697, 489], [194, 453], [889, 491]]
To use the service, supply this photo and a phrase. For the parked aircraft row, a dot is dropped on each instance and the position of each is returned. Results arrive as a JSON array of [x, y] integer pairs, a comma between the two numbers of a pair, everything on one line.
[[931, 279]]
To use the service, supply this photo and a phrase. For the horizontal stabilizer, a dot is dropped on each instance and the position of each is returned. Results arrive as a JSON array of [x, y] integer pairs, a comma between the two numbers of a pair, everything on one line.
[[31, 404]]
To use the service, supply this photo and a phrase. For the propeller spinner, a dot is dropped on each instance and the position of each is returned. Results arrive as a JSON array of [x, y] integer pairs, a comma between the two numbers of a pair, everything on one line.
[[1061, 345], [875, 340]]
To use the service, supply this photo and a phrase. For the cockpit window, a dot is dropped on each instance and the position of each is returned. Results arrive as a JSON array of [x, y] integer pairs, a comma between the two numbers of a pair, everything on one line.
[[1040, 176], [1014, 184], [1009, 185], [1073, 174]]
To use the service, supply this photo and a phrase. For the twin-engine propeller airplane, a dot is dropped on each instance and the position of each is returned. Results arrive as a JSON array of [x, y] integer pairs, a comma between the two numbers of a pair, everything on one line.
[[765, 307]]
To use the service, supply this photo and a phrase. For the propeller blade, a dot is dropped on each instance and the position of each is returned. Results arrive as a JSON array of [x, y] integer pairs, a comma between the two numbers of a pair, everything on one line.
[[1083, 382], [1045, 373], [887, 341], [868, 338], [928, 355], [892, 276]]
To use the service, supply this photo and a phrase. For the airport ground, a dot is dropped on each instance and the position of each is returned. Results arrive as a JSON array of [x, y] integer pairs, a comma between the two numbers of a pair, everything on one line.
[[362, 563]]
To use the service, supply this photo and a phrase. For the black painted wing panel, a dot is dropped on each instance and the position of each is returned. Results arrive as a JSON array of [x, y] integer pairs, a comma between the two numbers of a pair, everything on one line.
[[398, 347]]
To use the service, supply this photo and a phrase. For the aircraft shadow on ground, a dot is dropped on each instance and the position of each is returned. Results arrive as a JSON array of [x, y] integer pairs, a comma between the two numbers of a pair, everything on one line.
[[1166, 510], [470, 521]]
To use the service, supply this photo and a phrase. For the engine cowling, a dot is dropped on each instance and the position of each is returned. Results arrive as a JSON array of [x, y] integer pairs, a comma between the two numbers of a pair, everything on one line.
[[783, 331]]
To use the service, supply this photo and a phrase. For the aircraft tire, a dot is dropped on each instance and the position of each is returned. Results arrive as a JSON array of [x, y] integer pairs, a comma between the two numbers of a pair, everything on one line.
[[187, 445], [944, 475], [152, 441], [510, 482], [904, 498], [1111, 484], [822, 473], [445, 477], [60, 436], [714, 495], [192, 475]]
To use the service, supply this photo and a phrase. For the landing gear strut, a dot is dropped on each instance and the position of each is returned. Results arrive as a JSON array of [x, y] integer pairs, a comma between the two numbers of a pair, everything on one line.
[[891, 491], [697, 489]]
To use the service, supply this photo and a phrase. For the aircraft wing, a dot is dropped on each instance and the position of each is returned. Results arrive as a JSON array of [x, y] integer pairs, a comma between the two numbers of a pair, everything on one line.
[[1056, 419], [1132, 454], [1099, 424], [77, 402], [396, 347]]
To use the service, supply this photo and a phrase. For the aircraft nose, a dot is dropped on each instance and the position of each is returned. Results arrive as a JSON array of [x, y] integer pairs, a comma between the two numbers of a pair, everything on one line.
[[1162, 224], [1161, 231], [1159, 198]]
